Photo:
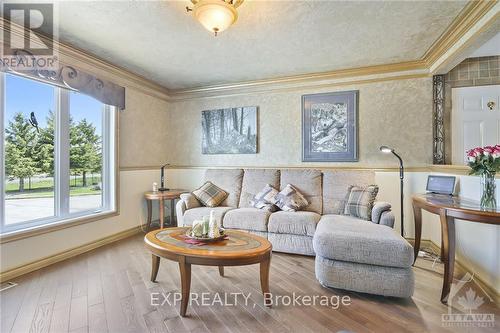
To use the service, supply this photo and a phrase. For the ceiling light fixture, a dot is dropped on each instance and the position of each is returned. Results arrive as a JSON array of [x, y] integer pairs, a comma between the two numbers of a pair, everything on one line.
[[215, 15]]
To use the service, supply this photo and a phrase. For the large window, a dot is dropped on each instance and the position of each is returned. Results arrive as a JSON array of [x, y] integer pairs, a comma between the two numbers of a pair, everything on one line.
[[57, 160]]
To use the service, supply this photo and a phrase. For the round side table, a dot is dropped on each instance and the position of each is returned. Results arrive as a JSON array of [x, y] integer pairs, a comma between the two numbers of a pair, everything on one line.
[[161, 197]]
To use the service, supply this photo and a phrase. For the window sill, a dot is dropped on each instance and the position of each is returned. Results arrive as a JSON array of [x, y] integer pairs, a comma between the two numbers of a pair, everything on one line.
[[63, 224]]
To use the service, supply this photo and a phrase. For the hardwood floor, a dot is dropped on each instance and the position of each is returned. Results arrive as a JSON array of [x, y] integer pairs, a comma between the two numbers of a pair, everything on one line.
[[108, 290]]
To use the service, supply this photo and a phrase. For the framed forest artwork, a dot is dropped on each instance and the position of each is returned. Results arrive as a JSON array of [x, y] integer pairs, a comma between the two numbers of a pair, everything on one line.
[[229, 131], [329, 127]]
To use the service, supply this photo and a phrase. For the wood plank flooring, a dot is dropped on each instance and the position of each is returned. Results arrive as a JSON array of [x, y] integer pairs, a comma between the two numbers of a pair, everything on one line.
[[108, 290]]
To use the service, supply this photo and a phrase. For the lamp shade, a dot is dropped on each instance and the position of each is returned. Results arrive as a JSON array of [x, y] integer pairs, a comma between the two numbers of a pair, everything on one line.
[[386, 149], [215, 15]]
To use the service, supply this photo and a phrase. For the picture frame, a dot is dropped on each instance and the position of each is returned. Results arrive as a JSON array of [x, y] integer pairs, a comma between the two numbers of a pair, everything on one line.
[[330, 127], [231, 130]]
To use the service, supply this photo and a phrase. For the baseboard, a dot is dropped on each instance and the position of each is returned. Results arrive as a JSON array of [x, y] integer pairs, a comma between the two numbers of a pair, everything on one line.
[[44, 262], [460, 268]]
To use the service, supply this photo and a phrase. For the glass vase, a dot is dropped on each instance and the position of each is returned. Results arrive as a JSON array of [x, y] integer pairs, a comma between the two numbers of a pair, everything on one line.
[[488, 191]]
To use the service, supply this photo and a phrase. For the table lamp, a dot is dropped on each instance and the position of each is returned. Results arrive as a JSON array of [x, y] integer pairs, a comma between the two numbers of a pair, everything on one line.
[[162, 185], [388, 150]]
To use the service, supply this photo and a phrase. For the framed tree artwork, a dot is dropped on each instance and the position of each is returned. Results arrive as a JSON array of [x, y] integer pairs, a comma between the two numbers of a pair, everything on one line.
[[229, 131], [329, 127]]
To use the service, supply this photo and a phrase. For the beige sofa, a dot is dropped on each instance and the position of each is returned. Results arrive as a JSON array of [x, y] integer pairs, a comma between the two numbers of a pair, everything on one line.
[[349, 252]]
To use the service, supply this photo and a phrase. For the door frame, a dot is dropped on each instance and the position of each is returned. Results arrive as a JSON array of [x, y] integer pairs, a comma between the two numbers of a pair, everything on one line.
[[456, 120]]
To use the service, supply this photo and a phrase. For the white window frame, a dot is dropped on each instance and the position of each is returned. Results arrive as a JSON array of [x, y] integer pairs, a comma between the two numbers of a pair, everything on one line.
[[62, 216]]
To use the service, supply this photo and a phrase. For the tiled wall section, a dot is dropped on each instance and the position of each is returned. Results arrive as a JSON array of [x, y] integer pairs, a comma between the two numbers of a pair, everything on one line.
[[475, 72], [471, 72]]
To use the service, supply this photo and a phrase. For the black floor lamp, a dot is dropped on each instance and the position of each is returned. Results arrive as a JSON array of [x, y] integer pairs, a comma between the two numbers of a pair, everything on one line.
[[388, 150]]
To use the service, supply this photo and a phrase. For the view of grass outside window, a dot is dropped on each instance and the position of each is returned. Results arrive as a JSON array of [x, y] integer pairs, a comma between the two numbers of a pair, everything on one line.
[[33, 169], [85, 152]]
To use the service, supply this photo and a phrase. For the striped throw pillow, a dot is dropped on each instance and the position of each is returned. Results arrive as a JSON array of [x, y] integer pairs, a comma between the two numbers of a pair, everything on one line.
[[290, 199], [210, 195], [263, 199], [360, 201]]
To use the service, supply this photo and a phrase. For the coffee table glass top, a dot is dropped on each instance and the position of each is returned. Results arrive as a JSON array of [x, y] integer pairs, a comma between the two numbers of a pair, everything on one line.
[[172, 239]]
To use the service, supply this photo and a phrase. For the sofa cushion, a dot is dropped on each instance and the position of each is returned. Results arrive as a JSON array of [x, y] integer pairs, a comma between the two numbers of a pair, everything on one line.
[[360, 201], [308, 182], [190, 200], [290, 199], [230, 181], [347, 238], [210, 195], [254, 181], [197, 213], [247, 219], [297, 244], [265, 199], [336, 185], [296, 223], [372, 279]]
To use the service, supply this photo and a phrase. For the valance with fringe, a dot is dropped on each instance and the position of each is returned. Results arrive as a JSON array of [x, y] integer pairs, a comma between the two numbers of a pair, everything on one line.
[[70, 77]]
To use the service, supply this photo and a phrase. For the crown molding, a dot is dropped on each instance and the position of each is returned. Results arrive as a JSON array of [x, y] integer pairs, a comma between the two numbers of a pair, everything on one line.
[[304, 79], [74, 56], [465, 21], [483, 30], [300, 86], [468, 18], [131, 79]]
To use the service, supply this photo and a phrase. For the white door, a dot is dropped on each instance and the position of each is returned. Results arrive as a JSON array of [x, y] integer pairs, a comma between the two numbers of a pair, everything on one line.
[[475, 119]]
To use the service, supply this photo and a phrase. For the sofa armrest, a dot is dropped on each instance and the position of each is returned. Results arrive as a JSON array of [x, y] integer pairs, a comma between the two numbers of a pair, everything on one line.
[[180, 208], [387, 218], [190, 200], [378, 209]]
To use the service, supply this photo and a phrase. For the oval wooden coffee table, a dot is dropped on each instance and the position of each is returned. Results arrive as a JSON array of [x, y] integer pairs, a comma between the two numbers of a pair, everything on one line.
[[240, 249]]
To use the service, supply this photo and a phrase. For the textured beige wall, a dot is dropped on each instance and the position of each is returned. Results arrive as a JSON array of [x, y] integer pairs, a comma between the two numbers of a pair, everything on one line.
[[143, 130], [397, 113]]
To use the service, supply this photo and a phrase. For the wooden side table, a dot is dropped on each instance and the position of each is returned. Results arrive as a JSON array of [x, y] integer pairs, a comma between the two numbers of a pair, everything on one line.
[[161, 197], [448, 208]]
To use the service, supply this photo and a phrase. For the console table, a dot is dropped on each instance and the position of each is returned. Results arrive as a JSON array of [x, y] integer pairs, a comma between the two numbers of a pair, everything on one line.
[[448, 208], [161, 197]]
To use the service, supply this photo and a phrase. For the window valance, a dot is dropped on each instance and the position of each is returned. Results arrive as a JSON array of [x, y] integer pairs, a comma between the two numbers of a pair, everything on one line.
[[70, 77]]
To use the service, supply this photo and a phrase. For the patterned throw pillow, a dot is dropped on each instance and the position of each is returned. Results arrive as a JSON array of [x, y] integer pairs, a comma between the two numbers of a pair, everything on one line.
[[290, 199], [360, 201], [210, 195], [263, 199]]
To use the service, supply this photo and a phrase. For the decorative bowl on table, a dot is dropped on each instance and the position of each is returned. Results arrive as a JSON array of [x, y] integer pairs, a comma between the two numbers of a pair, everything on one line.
[[204, 237]]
